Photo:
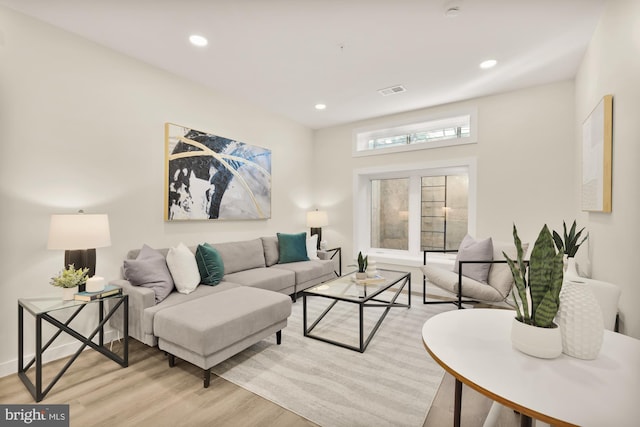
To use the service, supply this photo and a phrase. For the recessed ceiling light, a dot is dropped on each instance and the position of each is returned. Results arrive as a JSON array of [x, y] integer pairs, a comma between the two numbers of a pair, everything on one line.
[[489, 63], [320, 106], [197, 40]]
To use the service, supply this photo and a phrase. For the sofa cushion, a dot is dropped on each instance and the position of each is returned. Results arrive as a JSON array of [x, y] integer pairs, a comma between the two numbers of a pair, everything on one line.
[[448, 280], [149, 269], [176, 298], [292, 247], [271, 253], [266, 278], [210, 264], [239, 256], [308, 270], [474, 250], [184, 268], [215, 322]]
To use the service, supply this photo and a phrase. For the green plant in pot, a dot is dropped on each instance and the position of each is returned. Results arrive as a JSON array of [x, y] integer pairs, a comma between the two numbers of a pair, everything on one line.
[[537, 296], [569, 243], [69, 279], [362, 266]]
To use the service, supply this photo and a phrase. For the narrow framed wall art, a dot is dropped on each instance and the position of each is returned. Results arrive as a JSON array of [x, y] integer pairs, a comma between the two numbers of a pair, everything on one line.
[[210, 177], [597, 142]]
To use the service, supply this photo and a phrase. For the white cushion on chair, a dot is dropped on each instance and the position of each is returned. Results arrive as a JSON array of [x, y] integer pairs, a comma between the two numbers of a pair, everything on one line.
[[500, 276], [448, 280]]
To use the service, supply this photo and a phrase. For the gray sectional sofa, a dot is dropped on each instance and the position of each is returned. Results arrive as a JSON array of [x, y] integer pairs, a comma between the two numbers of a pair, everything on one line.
[[250, 263]]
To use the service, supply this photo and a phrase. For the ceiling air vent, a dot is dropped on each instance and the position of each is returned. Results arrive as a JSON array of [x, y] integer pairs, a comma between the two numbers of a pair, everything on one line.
[[392, 90]]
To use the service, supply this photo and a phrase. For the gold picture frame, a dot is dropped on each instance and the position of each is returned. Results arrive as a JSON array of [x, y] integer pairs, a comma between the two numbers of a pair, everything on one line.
[[597, 144]]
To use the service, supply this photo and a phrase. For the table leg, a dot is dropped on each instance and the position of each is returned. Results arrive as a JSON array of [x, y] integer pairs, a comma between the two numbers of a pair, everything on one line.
[[100, 318], [20, 338], [304, 315], [361, 327], [38, 356], [458, 404]]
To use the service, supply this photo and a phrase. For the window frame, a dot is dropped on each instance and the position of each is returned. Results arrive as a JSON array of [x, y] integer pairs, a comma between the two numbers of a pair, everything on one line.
[[362, 205], [398, 128]]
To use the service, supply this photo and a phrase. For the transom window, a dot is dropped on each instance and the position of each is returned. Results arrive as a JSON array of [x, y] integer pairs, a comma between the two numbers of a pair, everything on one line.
[[428, 133]]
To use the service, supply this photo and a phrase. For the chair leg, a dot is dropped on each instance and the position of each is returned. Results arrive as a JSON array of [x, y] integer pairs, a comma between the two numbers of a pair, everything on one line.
[[206, 376], [278, 337], [172, 360]]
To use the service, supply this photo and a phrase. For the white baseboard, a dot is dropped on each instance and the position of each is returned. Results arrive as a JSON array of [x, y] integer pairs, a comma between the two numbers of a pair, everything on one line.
[[53, 353]]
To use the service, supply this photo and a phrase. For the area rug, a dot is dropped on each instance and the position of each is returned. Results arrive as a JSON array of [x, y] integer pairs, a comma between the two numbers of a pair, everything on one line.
[[391, 384]]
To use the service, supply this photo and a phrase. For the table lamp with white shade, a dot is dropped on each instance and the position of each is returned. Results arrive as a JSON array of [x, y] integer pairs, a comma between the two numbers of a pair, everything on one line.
[[79, 235], [315, 221]]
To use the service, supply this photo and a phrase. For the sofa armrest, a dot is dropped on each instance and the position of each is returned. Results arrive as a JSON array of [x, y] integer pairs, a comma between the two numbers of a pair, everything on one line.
[[140, 298], [335, 255]]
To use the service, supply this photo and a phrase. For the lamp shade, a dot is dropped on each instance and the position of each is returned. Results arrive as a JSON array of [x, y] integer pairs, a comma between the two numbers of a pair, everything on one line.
[[316, 219], [79, 231]]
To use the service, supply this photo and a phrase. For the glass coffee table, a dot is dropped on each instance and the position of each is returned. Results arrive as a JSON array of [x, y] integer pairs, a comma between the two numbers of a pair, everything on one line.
[[365, 294]]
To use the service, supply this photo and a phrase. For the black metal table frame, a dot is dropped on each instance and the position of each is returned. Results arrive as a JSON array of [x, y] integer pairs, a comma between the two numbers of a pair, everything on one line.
[[36, 390], [363, 343], [336, 252]]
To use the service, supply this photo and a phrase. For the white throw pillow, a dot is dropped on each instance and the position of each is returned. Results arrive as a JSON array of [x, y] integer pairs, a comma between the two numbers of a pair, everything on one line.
[[184, 268], [312, 247]]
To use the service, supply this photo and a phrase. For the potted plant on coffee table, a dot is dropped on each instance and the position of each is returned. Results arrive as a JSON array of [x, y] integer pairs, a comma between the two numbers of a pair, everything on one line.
[[362, 266], [537, 297]]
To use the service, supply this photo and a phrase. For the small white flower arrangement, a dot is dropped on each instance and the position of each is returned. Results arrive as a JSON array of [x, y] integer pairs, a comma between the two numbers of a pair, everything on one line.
[[70, 277]]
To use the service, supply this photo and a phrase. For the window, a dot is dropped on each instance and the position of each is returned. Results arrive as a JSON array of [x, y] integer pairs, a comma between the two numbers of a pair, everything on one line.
[[390, 213], [431, 132], [413, 208], [444, 211]]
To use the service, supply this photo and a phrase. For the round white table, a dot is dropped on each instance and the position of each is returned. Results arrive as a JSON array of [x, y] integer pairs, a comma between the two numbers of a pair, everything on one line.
[[474, 346]]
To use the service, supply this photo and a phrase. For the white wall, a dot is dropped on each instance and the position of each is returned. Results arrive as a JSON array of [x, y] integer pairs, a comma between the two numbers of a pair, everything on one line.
[[525, 167], [83, 127], [611, 65]]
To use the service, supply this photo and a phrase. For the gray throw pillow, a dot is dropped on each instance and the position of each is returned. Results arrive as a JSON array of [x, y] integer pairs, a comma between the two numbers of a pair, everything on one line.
[[474, 250], [150, 270], [271, 252]]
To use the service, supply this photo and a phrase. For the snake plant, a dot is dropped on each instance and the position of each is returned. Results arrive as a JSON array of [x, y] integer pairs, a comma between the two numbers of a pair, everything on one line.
[[537, 296], [570, 243], [362, 262]]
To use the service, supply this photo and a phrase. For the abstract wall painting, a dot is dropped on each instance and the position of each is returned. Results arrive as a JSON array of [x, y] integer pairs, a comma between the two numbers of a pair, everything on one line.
[[209, 177], [597, 140]]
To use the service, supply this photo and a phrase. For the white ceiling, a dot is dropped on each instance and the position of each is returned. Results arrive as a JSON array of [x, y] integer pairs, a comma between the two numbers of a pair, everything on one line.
[[288, 55]]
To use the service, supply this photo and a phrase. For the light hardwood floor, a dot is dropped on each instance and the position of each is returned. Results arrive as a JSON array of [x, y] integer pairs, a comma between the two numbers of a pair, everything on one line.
[[148, 393]]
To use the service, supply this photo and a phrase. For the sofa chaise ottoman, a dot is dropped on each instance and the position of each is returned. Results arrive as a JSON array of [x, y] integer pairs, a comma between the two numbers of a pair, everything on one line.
[[210, 329]]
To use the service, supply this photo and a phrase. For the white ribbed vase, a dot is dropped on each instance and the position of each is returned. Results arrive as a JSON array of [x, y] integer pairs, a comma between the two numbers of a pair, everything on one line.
[[580, 320]]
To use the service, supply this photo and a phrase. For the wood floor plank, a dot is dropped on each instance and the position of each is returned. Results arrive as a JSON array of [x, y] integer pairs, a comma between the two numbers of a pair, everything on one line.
[[149, 393]]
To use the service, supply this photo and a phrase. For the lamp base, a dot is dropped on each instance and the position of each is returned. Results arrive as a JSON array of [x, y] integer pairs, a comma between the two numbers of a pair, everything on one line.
[[81, 258], [318, 231]]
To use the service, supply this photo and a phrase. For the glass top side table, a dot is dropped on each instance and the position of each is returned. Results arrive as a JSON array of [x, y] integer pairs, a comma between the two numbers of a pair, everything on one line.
[[41, 308]]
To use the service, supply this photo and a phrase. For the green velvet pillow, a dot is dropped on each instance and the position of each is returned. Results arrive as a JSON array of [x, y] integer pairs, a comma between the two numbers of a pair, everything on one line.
[[210, 264], [292, 247]]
